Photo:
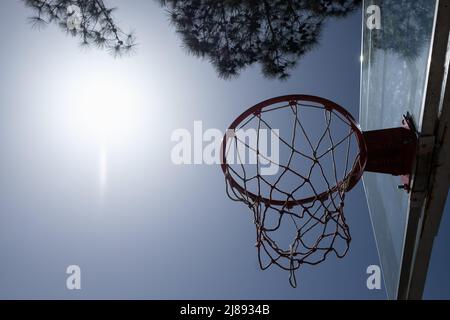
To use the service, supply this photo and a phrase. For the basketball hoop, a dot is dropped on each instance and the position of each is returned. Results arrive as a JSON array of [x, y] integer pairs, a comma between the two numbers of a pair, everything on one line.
[[299, 211]]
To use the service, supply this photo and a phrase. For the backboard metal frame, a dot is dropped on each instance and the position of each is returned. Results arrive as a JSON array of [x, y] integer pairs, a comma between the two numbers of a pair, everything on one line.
[[431, 181]]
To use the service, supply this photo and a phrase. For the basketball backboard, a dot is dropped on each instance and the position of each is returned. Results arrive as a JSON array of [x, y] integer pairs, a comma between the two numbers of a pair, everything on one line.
[[404, 70]]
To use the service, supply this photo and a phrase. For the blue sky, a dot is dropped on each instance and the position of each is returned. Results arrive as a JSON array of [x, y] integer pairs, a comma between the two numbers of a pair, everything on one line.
[[137, 225]]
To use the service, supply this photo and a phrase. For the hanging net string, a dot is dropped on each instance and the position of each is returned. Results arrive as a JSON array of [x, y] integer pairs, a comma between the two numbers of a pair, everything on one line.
[[298, 212]]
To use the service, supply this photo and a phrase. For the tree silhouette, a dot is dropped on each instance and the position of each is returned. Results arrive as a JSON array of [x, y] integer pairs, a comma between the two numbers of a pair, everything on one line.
[[234, 34], [90, 20]]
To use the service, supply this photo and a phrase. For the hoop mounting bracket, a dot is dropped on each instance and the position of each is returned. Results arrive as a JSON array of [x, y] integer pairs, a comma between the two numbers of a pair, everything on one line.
[[393, 151]]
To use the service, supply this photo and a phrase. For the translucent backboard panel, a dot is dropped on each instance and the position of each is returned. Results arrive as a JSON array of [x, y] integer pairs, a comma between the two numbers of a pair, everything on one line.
[[395, 61]]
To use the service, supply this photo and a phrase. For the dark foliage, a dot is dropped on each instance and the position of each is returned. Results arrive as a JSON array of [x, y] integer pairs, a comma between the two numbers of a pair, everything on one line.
[[406, 26], [90, 20], [234, 34]]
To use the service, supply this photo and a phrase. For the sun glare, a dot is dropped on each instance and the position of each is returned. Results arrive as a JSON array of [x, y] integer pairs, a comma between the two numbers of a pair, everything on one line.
[[105, 110]]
